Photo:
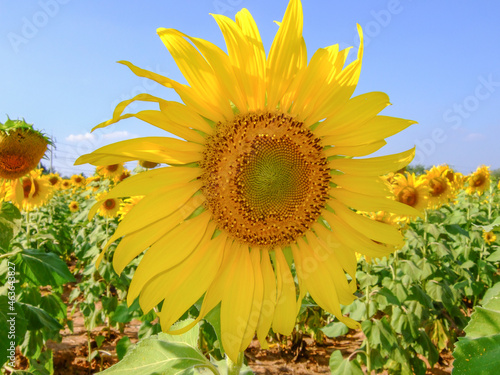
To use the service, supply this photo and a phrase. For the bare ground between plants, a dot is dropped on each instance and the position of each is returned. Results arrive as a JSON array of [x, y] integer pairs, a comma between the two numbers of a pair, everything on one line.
[[309, 357]]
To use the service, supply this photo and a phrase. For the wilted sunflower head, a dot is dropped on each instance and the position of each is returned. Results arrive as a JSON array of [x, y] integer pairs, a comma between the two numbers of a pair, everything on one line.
[[21, 148], [489, 237], [479, 181], [265, 172]]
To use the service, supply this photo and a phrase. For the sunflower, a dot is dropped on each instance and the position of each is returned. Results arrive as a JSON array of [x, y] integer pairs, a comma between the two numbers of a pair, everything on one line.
[[264, 175], [106, 206], [147, 164], [489, 237], [66, 184], [78, 181], [411, 191], [54, 180], [479, 181], [21, 148], [440, 188], [110, 171], [74, 206], [30, 192], [125, 174]]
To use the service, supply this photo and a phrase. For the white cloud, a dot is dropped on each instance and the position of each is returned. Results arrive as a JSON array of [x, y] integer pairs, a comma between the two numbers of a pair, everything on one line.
[[117, 134], [80, 137], [93, 137], [475, 137]]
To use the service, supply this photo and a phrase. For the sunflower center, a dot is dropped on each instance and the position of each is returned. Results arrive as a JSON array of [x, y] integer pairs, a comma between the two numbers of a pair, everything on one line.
[[112, 167], [109, 204], [265, 178], [53, 180], [437, 185], [408, 195], [478, 180], [28, 184]]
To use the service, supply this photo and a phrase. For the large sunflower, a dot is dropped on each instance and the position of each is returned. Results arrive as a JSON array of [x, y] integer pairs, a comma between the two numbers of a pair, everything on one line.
[[263, 176]]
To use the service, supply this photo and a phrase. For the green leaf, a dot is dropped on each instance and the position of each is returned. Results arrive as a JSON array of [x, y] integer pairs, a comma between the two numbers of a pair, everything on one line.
[[190, 337], [492, 292], [341, 366], [43, 268], [494, 257], [10, 223], [39, 319], [456, 230], [122, 346], [213, 317], [477, 356], [222, 367], [154, 356], [490, 227], [483, 322], [335, 329]]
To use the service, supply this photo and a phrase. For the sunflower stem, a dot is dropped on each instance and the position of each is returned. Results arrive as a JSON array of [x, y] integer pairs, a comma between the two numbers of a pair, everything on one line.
[[424, 246], [233, 368], [28, 229], [367, 307]]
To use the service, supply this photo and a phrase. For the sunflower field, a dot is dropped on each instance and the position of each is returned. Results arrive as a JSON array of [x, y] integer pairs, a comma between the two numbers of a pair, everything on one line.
[[436, 295], [258, 235]]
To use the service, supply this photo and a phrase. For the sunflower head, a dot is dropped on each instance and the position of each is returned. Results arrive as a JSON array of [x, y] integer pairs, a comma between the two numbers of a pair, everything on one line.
[[267, 167], [110, 171], [107, 207], [66, 184], [147, 164], [21, 148], [74, 206], [54, 180], [78, 180], [411, 191], [30, 192], [479, 181], [440, 188], [489, 237], [125, 174]]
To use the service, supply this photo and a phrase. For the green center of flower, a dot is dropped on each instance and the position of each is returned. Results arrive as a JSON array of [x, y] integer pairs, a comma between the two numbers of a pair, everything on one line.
[[265, 178]]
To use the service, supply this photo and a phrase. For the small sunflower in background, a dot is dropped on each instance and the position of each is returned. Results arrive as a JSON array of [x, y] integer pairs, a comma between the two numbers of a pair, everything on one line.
[[66, 184], [479, 181], [110, 171], [410, 190], [74, 206], [440, 188], [489, 237], [78, 181], [54, 180], [30, 192], [147, 164], [106, 206], [264, 171]]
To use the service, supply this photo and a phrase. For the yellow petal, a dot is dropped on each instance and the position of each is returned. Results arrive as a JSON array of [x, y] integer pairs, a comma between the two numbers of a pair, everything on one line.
[[237, 303], [198, 73], [370, 203], [180, 287], [269, 299], [154, 149], [370, 185], [169, 251], [356, 111], [377, 166], [360, 150], [285, 311], [375, 230], [286, 54]]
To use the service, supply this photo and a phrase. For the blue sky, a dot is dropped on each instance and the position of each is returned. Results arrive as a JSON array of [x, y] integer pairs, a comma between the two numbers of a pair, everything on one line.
[[439, 62]]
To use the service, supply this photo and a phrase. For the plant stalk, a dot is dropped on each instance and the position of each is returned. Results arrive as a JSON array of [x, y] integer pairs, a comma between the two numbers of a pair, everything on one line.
[[233, 368]]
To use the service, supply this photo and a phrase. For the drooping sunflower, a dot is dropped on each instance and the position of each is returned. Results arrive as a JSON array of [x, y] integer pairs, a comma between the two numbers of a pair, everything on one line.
[[265, 173], [110, 171], [21, 148], [489, 237], [440, 188], [479, 181], [410, 190], [74, 206]]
